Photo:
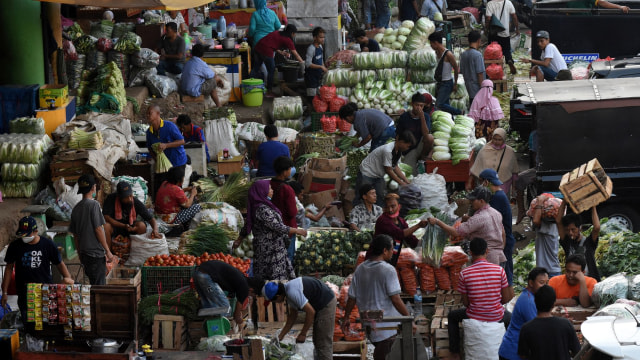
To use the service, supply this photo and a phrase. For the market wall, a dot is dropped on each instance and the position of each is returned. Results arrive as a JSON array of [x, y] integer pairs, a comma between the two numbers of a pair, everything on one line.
[[21, 39]]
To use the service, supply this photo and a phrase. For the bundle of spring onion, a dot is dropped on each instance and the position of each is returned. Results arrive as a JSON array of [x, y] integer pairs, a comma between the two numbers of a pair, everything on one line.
[[435, 239], [81, 139], [234, 191], [208, 238], [163, 164]]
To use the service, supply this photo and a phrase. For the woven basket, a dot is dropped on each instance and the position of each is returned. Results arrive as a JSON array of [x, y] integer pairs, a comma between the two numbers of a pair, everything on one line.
[[324, 145], [252, 147]]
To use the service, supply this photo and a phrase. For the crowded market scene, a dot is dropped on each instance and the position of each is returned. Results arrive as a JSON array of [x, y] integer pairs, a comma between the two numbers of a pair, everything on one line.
[[319, 179]]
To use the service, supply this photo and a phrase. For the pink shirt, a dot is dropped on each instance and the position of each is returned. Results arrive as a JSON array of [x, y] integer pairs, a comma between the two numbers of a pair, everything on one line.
[[486, 223], [483, 283]]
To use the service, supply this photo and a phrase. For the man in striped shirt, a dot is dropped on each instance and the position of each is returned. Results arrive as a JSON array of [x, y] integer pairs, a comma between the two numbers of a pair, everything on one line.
[[484, 289]]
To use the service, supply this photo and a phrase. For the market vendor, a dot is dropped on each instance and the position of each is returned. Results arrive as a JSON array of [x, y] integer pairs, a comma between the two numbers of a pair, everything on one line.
[[366, 44], [168, 135], [120, 211], [314, 62], [314, 297], [574, 287], [173, 205], [213, 278], [191, 132], [172, 51], [572, 240], [198, 78], [384, 160], [390, 223], [364, 215], [418, 122], [284, 198], [267, 46], [268, 151], [31, 256], [486, 223], [176, 17], [370, 125], [498, 156]]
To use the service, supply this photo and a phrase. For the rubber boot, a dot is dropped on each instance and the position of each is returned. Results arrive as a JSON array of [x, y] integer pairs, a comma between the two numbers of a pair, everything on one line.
[[520, 204]]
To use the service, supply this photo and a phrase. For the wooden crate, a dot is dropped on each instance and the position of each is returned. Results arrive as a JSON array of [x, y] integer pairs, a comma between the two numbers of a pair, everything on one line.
[[450, 172], [449, 298], [195, 331], [500, 85], [586, 186], [350, 350], [169, 332], [69, 170], [121, 275], [576, 314], [113, 311], [270, 312]]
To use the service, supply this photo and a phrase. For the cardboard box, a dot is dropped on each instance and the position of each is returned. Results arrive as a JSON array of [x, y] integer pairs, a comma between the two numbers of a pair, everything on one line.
[[318, 181], [229, 166], [328, 165], [322, 198], [60, 93]]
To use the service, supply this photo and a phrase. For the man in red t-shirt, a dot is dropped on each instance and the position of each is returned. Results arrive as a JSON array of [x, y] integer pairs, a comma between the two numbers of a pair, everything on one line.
[[284, 198], [265, 48], [484, 289]]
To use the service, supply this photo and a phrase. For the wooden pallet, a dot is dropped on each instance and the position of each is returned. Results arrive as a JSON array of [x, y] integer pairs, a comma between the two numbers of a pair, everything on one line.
[[71, 154], [169, 332], [586, 186], [448, 297]]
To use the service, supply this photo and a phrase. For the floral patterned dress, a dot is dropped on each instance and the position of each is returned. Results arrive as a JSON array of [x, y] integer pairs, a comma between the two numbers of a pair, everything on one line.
[[270, 258]]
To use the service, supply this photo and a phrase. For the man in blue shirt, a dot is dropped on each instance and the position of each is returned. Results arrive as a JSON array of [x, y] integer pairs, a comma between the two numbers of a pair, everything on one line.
[[168, 135], [523, 312], [269, 151], [370, 125], [500, 202], [192, 133], [198, 78], [314, 62]]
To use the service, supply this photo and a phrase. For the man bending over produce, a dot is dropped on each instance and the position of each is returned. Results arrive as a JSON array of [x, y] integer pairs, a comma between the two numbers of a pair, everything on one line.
[[572, 240], [370, 125], [312, 296], [366, 44], [486, 223], [212, 278], [384, 160], [573, 288], [198, 78], [418, 121], [121, 210], [375, 286]]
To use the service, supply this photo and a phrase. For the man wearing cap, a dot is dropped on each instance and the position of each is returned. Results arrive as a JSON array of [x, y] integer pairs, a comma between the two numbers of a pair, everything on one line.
[[88, 232], [486, 223], [312, 296], [31, 256], [500, 202], [551, 60], [121, 211], [168, 135]]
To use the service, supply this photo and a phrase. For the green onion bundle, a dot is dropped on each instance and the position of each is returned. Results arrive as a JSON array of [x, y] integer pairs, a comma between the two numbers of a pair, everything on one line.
[[234, 192], [208, 238], [163, 164], [81, 139]]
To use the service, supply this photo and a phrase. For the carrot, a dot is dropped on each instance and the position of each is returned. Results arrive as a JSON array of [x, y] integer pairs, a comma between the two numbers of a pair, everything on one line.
[[408, 277], [427, 278], [454, 275], [361, 256], [442, 277]]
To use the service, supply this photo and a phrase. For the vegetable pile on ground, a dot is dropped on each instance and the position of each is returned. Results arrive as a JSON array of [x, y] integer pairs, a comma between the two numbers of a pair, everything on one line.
[[207, 238], [287, 107], [329, 251], [523, 262]]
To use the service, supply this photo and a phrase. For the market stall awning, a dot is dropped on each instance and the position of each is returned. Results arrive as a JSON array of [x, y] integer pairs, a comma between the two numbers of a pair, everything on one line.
[[136, 4]]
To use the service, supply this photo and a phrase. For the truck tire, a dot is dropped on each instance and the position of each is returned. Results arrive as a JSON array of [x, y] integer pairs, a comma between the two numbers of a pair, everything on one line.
[[624, 213]]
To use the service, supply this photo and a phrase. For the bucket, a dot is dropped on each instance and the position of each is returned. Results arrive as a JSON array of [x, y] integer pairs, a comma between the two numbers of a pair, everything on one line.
[[206, 30], [252, 92], [236, 348]]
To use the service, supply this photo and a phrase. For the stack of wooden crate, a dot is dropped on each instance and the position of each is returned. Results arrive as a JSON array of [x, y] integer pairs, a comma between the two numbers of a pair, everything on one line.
[[169, 332], [70, 165], [586, 186], [446, 300]]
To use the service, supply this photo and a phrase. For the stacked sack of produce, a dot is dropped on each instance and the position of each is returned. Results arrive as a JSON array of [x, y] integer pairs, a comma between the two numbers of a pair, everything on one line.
[[355, 332], [441, 126], [102, 90], [459, 99], [287, 112], [494, 52], [23, 159], [422, 65], [462, 138], [418, 38], [144, 63]]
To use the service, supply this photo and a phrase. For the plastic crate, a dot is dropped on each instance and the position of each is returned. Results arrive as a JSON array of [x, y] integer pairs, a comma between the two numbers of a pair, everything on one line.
[[165, 279], [16, 101], [315, 119]]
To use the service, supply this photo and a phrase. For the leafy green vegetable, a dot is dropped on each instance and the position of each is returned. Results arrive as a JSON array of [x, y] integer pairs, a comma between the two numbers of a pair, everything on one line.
[[207, 238], [163, 164]]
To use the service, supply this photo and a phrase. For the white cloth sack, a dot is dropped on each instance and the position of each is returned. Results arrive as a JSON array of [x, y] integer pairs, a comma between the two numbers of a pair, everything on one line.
[[434, 190], [187, 176], [253, 131], [138, 186], [144, 247], [218, 213], [219, 135], [482, 339]]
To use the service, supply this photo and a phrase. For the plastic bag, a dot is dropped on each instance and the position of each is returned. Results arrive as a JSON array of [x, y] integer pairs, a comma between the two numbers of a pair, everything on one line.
[[145, 58], [305, 350], [634, 287], [579, 70], [327, 92], [410, 198], [482, 339], [610, 289], [319, 105], [495, 72], [138, 76], [287, 107], [122, 28], [104, 44], [161, 86], [219, 136], [143, 247], [74, 70], [101, 29], [336, 103], [493, 51], [218, 213], [95, 58], [434, 190], [549, 208], [122, 62], [70, 52], [214, 343]]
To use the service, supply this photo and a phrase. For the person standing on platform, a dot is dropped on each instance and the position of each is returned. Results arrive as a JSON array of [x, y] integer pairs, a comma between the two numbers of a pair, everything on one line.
[[314, 62]]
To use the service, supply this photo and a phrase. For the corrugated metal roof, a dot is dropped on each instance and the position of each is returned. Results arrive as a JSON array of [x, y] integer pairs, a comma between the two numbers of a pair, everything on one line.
[[579, 90]]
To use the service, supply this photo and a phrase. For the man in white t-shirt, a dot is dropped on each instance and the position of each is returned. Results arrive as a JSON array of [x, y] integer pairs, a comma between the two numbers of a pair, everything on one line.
[[375, 286], [551, 61], [506, 13], [381, 161]]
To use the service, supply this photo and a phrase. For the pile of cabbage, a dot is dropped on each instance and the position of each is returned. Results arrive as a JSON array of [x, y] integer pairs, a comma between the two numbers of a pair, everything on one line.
[[23, 159], [287, 108], [389, 96], [459, 99], [395, 38], [453, 138], [422, 64], [418, 38]]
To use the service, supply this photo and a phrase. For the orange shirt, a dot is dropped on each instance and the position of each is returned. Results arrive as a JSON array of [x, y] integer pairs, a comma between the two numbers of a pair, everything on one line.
[[565, 291]]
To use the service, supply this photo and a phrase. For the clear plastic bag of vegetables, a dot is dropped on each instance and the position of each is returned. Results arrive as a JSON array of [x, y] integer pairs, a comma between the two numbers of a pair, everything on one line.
[[422, 76], [102, 29], [391, 73], [27, 125], [85, 44], [287, 107], [338, 77], [122, 28], [145, 58], [11, 189], [424, 59], [128, 43], [435, 239]]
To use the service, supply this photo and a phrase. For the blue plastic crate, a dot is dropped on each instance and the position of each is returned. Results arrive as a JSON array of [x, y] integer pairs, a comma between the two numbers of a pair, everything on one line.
[[16, 101]]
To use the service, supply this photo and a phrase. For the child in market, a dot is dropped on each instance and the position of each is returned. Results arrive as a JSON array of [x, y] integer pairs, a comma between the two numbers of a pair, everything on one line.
[[314, 63], [308, 216]]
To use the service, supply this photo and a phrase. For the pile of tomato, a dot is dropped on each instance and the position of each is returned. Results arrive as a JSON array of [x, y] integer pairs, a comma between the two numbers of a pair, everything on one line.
[[190, 260]]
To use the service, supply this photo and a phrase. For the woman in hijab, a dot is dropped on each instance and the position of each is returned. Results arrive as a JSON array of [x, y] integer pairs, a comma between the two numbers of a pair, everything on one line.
[[263, 21], [264, 220], [498, 156], [486, 111]]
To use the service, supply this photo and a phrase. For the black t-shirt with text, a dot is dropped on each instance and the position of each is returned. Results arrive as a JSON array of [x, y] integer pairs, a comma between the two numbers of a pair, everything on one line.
[[32, 263]]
